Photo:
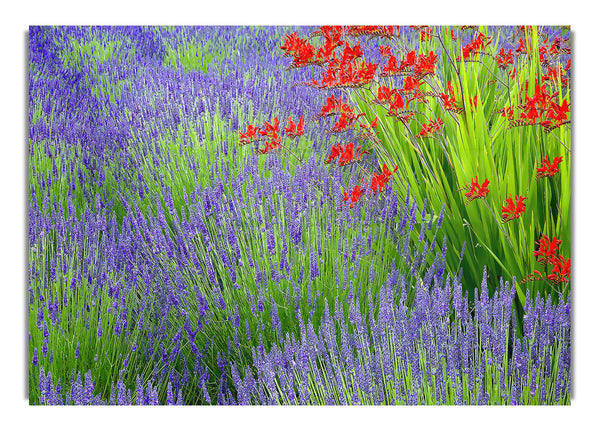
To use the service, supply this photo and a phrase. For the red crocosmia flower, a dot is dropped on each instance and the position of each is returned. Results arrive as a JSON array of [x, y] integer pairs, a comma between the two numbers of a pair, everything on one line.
[[336, 151], [466, 52], [561, 269], [366, 73], [346, 197], [386, 174], [270, 146], [542, 50], [392, 64], [332, 36], [548, 249], [329, 106], [384, 94], [513, 209], [449, 99], [504, 58], [293, 130], [425, 64], [391, 68], [397, 105], [429, 129], [531, 115], [325, 53], [292, 43], [379, 181], [376, 183], [411, 84], [271, 131], [385, 51], [373, 125], [477, 45], [548, 169], [424, 32], [536, 276], [305, 55], [558, 113], [348, 74], [335, 106], [541, 96], [521, 49], [409, 61], [356, 194], [348, 155], [477, 191], [332, 33], [329, 77], [508, 112], [345, 122], [552, 74], [351, 53], [555, 45], [406, 117], [249, 136]]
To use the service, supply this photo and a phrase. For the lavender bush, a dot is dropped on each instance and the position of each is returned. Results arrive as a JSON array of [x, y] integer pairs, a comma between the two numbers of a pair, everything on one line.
[[436, 351]]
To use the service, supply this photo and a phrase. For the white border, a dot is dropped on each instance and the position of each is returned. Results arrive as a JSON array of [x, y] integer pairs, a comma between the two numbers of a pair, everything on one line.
[[13, 181]]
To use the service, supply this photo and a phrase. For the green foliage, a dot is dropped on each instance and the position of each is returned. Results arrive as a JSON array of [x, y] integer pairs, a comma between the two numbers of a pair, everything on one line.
[[198, 55], [479, 142]]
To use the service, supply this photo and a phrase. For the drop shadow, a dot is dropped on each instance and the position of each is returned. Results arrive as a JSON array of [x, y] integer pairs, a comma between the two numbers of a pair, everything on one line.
[[26, 211]]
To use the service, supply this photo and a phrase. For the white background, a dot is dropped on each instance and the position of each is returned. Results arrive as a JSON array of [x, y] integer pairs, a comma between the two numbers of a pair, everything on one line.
[[17, 414]]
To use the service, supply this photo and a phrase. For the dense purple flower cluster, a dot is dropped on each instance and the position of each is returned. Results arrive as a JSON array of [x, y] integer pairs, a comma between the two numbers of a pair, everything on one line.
[[421, 352]]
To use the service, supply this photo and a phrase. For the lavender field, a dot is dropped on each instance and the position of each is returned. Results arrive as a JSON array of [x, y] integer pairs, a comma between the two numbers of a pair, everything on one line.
[[345, 215]]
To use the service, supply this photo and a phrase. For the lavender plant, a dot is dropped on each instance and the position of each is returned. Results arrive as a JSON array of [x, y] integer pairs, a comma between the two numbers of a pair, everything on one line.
[[437, 350], [167, 265]]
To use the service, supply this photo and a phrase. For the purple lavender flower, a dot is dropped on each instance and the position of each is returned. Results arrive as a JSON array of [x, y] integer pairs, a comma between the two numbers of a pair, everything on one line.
[[34, 360], [314, 266]]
